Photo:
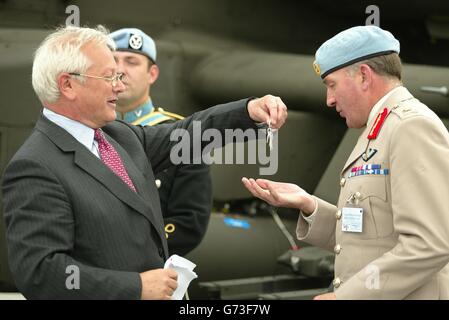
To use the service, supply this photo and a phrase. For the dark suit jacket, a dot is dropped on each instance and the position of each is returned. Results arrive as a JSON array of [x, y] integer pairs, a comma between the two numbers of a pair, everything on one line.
[[186, 201], [64, 207]]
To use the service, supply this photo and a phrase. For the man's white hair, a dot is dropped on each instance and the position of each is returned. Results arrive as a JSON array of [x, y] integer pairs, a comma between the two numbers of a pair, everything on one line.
[[61, 52]]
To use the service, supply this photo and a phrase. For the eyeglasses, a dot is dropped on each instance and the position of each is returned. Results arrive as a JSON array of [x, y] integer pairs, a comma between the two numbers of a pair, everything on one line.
[[114, 79]]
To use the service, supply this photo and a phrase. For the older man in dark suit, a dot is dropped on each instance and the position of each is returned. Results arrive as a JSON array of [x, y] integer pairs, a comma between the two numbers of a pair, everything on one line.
[[80, 194]]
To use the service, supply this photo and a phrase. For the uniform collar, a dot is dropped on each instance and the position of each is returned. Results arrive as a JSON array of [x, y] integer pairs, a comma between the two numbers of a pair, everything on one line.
[[137, 113], [379, 104]]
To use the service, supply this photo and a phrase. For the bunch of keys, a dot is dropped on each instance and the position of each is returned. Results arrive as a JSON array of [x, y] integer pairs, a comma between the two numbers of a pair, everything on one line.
[[270, 135]]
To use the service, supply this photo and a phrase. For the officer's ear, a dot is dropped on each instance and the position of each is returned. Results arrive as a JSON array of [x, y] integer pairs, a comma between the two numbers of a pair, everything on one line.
[[153, 74], [366, 76]]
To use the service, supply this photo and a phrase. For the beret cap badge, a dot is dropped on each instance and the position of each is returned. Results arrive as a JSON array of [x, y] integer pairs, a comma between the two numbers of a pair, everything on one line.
[[316, 67], [135, 42]]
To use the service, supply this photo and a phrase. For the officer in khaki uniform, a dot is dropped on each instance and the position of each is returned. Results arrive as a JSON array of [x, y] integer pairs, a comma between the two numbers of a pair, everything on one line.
[[185, 191], [390, 228]]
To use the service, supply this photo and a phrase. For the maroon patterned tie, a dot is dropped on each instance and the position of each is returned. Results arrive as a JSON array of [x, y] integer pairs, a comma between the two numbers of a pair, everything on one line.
[[111, 158]]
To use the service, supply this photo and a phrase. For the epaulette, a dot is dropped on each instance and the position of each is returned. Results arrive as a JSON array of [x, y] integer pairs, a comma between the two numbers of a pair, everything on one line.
[[156, 117], [406, 111], [170, 114]]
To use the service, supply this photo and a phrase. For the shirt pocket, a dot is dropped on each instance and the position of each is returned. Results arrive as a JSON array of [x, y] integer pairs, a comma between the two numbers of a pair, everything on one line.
[[373, 193], [369, 192]]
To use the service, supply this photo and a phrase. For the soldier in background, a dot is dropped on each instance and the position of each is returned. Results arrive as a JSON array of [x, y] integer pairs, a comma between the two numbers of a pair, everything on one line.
[[185, 190]]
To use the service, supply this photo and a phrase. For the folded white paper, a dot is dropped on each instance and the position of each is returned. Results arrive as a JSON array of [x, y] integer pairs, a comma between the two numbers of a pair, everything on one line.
[[184, 268]]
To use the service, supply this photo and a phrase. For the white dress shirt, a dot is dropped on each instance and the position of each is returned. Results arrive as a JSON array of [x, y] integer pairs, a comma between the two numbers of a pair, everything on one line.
[[81, 132]]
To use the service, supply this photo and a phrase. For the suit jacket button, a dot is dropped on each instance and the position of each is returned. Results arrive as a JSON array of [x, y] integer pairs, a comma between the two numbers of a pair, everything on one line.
[[338, 215], [158, 183], [337, 282], [337, 249]]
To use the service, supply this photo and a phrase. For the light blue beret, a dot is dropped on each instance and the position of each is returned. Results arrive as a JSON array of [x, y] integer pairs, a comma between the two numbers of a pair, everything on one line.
[[353, 45], [134, 40]]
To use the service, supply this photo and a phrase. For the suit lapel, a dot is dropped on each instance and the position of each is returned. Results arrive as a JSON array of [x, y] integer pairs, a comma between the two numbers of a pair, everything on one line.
[[97, 169], [84, 159], [139, 183], [358, 150]]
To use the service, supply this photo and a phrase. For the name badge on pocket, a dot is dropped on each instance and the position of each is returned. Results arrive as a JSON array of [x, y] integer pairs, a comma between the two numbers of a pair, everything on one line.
[[352, 219]]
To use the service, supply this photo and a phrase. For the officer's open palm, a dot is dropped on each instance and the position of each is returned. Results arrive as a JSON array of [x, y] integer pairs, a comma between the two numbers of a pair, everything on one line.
[[280, 194]]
